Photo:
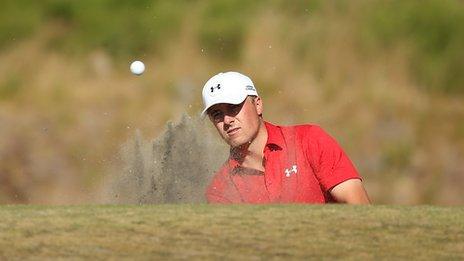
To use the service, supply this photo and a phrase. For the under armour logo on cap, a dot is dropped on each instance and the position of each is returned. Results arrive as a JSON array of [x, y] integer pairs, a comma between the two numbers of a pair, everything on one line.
[[216, 87]]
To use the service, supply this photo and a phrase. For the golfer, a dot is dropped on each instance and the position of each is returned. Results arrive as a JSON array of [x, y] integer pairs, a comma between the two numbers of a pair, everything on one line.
[[270, 163]]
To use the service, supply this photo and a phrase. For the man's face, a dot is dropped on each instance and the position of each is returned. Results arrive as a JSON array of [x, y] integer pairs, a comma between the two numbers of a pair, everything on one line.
[[237, 124]]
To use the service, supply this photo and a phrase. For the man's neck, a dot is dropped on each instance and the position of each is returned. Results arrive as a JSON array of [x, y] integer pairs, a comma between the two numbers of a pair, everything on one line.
[[251, 154]]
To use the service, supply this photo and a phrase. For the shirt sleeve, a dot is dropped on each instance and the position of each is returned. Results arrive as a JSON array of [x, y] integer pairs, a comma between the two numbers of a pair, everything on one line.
[[330, 163]]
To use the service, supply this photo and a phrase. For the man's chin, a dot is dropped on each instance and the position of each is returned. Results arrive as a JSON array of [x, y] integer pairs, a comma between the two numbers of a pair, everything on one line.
[[236, 143]]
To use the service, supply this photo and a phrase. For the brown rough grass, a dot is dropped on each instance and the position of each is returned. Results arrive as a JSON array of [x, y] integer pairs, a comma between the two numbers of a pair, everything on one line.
[[64, 124]]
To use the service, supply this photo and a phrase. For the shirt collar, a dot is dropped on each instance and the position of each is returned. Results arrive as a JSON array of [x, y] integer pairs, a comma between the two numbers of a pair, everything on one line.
[[274, 137], [275, 141]]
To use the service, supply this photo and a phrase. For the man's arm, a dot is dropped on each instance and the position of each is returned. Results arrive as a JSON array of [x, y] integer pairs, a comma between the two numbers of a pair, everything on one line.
[[334, 170], [350, 191]]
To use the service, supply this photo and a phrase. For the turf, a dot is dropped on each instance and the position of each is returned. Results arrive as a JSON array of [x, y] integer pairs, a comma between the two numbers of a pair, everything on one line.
[[231, 232]]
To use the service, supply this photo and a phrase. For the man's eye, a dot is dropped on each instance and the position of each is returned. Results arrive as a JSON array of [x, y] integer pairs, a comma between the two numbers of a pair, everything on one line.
[[216, 115]]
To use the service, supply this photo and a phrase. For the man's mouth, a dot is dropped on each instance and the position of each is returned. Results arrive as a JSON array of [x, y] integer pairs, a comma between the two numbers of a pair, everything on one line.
[[233, 131]]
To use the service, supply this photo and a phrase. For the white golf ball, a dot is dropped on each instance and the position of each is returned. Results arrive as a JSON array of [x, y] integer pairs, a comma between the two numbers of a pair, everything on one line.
[[137, 67]]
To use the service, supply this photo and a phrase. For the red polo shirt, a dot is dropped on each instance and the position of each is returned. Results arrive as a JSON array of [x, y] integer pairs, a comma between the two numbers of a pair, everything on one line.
[[302, 163]]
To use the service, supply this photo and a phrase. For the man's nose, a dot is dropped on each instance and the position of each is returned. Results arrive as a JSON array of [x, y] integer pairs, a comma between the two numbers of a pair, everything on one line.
[[228, 119]]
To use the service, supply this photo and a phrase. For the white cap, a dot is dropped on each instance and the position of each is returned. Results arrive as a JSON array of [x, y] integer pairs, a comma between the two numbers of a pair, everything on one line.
[[228, 87]]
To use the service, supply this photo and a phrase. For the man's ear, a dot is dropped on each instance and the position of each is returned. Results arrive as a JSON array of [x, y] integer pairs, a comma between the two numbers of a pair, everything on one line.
[[258, 105]]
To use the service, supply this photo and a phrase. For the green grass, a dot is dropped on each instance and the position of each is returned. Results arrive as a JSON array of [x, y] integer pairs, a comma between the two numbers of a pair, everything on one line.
[[237, 232]]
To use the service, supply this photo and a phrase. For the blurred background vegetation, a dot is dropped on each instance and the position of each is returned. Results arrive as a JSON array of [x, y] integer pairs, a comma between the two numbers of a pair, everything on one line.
[[385, 78]]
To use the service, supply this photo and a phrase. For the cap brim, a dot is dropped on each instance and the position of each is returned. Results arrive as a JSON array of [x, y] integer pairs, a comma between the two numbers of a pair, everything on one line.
[[229, 101]]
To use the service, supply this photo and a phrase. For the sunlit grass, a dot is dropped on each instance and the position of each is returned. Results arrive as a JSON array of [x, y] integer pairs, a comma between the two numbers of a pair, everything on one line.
[[238, 232]]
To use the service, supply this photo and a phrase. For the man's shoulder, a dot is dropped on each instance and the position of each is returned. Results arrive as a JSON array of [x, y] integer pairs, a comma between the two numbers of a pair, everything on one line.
[[224, 170], [220, 175], [303, 129], [308, 133]]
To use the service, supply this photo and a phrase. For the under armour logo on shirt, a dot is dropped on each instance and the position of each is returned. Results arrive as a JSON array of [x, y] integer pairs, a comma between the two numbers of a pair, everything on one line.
[[288, 172], [216, 87]]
